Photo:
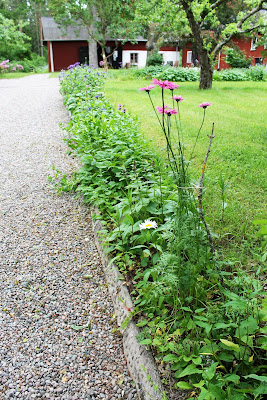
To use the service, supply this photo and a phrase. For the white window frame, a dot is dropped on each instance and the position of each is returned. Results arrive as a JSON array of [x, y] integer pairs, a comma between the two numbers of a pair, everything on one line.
[[134, 58], [253, 46], [189, 57]]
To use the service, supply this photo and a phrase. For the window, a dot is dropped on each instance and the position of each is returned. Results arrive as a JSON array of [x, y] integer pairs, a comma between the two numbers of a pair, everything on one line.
[[134, 58], [253, 44], [189, 57]]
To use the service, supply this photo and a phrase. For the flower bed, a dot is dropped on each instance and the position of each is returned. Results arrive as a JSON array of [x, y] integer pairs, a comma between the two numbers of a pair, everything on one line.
[[202, 318]]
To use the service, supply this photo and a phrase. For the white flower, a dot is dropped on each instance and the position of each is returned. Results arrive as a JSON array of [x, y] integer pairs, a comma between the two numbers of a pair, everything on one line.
[[148, 224]]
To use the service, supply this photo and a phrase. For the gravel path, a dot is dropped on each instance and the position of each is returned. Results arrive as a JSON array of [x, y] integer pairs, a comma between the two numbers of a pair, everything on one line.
[[56, 323]]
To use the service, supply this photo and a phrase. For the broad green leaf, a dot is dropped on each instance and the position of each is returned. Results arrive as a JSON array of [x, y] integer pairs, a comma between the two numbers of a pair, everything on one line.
[[189, 370], [142, 323], [146, 341], [232, 345], [261, 378], [184, 385], [170, 357], [210, 372], [232, 378]]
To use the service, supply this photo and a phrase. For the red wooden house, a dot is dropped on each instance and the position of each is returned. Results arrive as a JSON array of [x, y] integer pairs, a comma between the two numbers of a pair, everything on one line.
[[69, 46], [247, 45]]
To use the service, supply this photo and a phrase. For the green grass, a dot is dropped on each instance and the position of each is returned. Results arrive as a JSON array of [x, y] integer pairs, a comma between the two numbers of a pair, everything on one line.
[[238, 152], [14, 75]]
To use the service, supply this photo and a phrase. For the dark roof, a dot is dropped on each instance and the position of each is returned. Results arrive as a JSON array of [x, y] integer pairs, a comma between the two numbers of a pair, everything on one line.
[[52, 31]]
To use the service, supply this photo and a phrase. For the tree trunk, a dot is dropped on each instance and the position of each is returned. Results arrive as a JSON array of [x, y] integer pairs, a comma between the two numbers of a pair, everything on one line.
[[206, 70], [93, 52], [152, 38]]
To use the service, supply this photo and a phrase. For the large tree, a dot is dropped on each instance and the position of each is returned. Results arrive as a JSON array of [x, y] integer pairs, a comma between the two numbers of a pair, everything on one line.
[[14, 44], [211, 24], [215, 22], [26, 14], [104, 19]]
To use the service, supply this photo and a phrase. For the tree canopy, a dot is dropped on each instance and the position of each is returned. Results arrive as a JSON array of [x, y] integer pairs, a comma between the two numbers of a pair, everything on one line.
[[104, 19], [14, 44]]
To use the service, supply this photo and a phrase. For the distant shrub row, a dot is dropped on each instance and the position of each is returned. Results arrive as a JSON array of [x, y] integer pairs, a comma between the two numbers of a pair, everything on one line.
[[257, 73]]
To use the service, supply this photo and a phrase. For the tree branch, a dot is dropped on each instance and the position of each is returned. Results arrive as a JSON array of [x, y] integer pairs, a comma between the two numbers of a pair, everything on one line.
[[239, 30]]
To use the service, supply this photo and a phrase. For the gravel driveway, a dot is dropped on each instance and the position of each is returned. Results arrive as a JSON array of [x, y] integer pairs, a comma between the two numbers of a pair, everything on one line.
[[56, 322]]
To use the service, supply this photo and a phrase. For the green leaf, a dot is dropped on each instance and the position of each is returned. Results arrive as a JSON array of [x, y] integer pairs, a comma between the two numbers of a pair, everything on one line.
[[146, 341], [210, 372], [232, 345], [232, 378], [261, 378], [170, 357], [189, 370], [77, 328], [184, 385], [142, 323]]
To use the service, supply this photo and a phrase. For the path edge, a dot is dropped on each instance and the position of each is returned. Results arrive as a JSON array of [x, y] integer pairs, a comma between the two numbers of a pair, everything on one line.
[[140, 361]]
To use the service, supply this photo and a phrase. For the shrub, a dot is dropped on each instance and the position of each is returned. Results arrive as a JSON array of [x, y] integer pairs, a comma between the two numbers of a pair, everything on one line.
[[231, 75], [154, 59], [236, 58], [257, 73]]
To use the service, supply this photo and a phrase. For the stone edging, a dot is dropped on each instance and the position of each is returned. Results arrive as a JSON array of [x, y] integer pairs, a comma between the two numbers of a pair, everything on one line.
[[140, 361]]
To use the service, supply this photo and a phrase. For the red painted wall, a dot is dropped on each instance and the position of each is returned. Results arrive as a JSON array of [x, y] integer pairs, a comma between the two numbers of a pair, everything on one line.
[[65, 53], [243, 43], [136, 46]]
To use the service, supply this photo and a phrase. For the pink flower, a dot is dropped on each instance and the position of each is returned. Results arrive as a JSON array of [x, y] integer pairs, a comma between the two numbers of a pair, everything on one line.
[[171, 111], [167, 110], [162, 84], [160, 109], [172, 86], [205, 105], [14, 69], [165, 84], [101, 63], [178, 98], [147, 88]]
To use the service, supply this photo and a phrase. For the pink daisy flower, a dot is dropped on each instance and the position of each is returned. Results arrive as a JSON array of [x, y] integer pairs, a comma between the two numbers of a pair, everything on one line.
[[178, 98], [171, 111], [172, 86], [147, 88], [160, 109], [205, 105]]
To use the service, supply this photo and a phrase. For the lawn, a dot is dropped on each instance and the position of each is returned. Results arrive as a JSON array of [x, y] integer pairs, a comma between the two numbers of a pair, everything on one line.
[[238, 152], [13, 75]]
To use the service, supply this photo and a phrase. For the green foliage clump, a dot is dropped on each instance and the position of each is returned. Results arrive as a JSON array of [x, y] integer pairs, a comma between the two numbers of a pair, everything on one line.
[[203, 318], [236, 58], [256, 73], [13, 43], [154, 59], [230, 75]]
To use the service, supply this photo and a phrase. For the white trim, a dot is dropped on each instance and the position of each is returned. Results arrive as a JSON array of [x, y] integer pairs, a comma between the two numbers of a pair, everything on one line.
[[51, 57], [253, 45], [189, 57], [219, 60]]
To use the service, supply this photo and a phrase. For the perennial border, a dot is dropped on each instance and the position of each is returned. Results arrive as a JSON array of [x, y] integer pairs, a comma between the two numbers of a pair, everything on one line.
[[140, 361]]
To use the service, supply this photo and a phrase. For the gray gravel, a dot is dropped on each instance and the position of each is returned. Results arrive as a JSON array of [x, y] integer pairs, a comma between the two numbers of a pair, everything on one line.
[[56, 318]]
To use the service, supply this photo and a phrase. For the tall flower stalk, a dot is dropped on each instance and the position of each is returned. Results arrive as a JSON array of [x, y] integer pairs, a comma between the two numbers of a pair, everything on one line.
[[186, 201]]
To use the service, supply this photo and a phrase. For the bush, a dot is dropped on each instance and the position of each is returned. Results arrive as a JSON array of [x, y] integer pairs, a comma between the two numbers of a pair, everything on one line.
[[257, 73], [154, 59], [230, 75], [236, 58]]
